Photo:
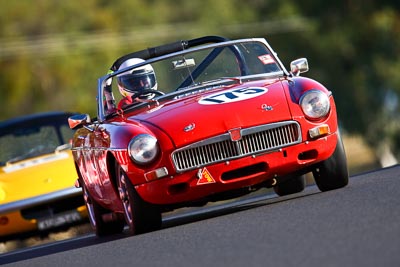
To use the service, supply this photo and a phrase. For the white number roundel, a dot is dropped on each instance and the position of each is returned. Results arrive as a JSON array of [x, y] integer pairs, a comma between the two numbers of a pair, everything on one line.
[[233, 95]]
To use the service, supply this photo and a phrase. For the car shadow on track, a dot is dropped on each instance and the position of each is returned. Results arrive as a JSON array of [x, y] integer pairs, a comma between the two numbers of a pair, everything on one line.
[[245, 203], [55, 247], [172, 219]]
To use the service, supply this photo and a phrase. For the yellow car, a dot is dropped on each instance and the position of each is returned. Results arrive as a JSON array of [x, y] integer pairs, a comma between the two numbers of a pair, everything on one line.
[[37, 176]]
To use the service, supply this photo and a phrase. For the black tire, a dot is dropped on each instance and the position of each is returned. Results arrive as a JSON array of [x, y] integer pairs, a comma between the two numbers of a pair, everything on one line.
[[333, 173], [96, 212], [292, 185], [140, 216]]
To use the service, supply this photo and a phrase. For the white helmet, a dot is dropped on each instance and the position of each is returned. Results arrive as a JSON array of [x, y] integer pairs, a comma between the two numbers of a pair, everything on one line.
[[136, 80]]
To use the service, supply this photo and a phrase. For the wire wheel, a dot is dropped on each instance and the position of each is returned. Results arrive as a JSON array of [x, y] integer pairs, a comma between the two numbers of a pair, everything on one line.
[[96, 212]]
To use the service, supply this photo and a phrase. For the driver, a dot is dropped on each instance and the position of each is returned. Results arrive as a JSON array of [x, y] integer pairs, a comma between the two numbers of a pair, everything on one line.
[[133, 83]]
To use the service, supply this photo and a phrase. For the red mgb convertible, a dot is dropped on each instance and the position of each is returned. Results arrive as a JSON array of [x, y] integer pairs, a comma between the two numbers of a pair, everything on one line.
[[202, 120]]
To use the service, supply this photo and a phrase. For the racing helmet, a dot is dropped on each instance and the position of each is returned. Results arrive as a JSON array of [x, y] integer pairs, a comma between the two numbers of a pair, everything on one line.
[[136, 80]]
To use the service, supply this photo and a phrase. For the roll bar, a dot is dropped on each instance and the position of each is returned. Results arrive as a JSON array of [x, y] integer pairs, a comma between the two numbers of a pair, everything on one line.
[[167, 48]]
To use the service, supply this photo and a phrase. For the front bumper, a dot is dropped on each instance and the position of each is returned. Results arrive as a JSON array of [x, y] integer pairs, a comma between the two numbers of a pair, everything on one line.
[[43, 212], [13, 224], [238, 173]]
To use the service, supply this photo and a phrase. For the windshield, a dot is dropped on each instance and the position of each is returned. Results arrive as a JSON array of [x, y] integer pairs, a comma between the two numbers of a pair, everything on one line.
[[217, 63], [214, 65], [32, 140]]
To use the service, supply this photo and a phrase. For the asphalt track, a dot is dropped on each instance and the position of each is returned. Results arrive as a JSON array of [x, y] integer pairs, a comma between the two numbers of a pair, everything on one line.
[[355, 226]]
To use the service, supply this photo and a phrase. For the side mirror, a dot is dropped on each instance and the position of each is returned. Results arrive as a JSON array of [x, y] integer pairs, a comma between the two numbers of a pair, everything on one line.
[[298, 66], [78, 120]]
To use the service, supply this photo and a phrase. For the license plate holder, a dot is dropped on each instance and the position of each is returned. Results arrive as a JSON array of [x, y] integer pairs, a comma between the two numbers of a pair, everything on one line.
[[59, 220]]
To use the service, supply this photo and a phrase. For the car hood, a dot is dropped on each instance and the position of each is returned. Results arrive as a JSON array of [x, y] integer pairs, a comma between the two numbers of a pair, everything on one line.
[[37, 176], [196, 117]]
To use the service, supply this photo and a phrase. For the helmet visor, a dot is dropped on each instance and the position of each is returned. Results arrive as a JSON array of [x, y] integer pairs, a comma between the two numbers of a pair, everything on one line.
[[134, 83]]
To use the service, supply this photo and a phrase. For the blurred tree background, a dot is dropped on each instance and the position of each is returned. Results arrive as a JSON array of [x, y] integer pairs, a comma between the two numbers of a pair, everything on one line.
[[52, 52]]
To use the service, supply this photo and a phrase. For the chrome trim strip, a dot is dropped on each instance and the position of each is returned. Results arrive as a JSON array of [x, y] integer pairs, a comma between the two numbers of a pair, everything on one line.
[[86, 148]]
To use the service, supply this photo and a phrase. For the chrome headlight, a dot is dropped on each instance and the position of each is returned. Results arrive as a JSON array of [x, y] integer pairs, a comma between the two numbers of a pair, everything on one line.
[[143, 149], [315, 104]]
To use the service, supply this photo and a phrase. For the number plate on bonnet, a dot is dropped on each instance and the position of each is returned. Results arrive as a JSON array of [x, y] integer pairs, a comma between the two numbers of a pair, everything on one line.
[[59, 220]]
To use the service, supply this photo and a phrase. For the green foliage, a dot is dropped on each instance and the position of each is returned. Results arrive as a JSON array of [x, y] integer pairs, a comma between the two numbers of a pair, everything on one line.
[[52, 52]]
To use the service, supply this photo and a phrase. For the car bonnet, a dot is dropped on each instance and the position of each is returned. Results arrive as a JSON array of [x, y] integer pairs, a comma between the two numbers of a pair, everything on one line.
[[199, 116], [37, 176]]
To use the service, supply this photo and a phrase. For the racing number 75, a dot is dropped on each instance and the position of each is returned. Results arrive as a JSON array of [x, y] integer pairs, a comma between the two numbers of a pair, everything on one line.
[[234, 95]]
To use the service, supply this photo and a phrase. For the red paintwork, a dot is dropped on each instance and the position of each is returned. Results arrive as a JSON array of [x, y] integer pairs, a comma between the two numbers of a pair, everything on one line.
[[212, 120], [167, 122]]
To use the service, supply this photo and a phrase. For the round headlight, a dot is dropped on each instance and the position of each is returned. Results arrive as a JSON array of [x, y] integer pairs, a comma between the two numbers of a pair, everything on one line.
[[143, 149], [315, 104]]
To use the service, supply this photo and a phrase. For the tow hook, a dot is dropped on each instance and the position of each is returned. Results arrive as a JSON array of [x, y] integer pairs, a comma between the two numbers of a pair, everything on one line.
[[271, 182]]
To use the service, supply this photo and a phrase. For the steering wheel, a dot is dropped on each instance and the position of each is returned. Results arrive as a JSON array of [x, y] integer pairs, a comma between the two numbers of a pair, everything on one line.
[[147, 91]]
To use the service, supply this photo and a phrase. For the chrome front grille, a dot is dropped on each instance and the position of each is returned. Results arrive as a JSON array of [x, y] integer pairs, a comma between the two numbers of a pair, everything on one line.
[[253, 140]]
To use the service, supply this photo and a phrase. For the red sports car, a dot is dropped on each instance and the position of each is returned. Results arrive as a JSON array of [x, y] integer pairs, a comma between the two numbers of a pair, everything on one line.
[[202, 120]]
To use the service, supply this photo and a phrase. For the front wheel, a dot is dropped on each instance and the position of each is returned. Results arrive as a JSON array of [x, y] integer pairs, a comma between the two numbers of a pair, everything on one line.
[[332, 173], [140, 216], [96, 212]]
